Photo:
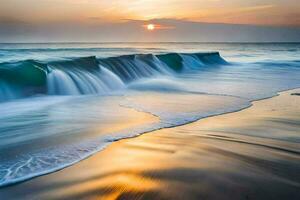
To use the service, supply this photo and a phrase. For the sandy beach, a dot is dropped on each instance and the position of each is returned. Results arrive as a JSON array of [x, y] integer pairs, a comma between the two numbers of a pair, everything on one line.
[[250, 154]]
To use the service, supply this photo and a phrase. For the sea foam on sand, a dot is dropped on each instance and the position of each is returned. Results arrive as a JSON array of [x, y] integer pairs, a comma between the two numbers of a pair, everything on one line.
[[251, 154]]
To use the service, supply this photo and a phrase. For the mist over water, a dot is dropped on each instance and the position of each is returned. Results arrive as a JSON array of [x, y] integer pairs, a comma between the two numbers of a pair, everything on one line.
[[62, 102]]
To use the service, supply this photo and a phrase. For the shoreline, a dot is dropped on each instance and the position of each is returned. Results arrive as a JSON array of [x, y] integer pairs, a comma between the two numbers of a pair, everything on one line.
[[79, 166], [101, 148]]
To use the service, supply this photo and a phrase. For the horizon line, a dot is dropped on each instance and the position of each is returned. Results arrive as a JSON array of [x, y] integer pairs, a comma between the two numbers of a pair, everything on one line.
[[118, 42]]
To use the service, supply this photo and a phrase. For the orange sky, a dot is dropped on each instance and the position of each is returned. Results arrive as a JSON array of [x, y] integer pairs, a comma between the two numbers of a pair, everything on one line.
[[262, 12]]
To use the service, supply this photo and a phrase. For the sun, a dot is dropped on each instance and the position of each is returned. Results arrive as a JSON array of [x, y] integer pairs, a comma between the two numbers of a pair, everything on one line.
[[150, 27]]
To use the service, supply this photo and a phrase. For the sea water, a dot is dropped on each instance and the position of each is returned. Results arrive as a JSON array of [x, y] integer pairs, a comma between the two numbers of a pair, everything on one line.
[[60, 103]]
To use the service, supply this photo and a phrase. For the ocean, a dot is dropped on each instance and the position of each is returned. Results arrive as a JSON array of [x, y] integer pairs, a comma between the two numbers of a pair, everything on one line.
[[62, 102]]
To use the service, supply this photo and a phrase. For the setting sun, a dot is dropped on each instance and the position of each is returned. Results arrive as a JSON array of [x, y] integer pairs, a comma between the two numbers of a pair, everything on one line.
[[150, 27]]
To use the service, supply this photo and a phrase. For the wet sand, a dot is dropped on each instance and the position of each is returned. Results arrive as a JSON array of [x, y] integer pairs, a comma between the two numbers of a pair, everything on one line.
[[250, 154]]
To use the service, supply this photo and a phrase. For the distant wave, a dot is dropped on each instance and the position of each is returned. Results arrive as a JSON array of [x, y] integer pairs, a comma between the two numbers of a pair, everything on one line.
[[290, 63], [89, 75]]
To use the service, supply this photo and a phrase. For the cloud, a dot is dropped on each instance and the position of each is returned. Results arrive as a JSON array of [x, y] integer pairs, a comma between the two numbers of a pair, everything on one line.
[[173, 30], [256, 8], [11, 20]]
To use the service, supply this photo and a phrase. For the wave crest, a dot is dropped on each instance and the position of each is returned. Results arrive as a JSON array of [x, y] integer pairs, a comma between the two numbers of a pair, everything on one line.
[[89, 75]]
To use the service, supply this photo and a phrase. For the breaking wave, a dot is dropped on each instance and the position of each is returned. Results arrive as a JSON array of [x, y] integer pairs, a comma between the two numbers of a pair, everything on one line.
[[89, 75]]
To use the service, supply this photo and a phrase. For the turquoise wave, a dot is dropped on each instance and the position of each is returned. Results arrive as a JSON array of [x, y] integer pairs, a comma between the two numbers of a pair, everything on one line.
[[89, 75]]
